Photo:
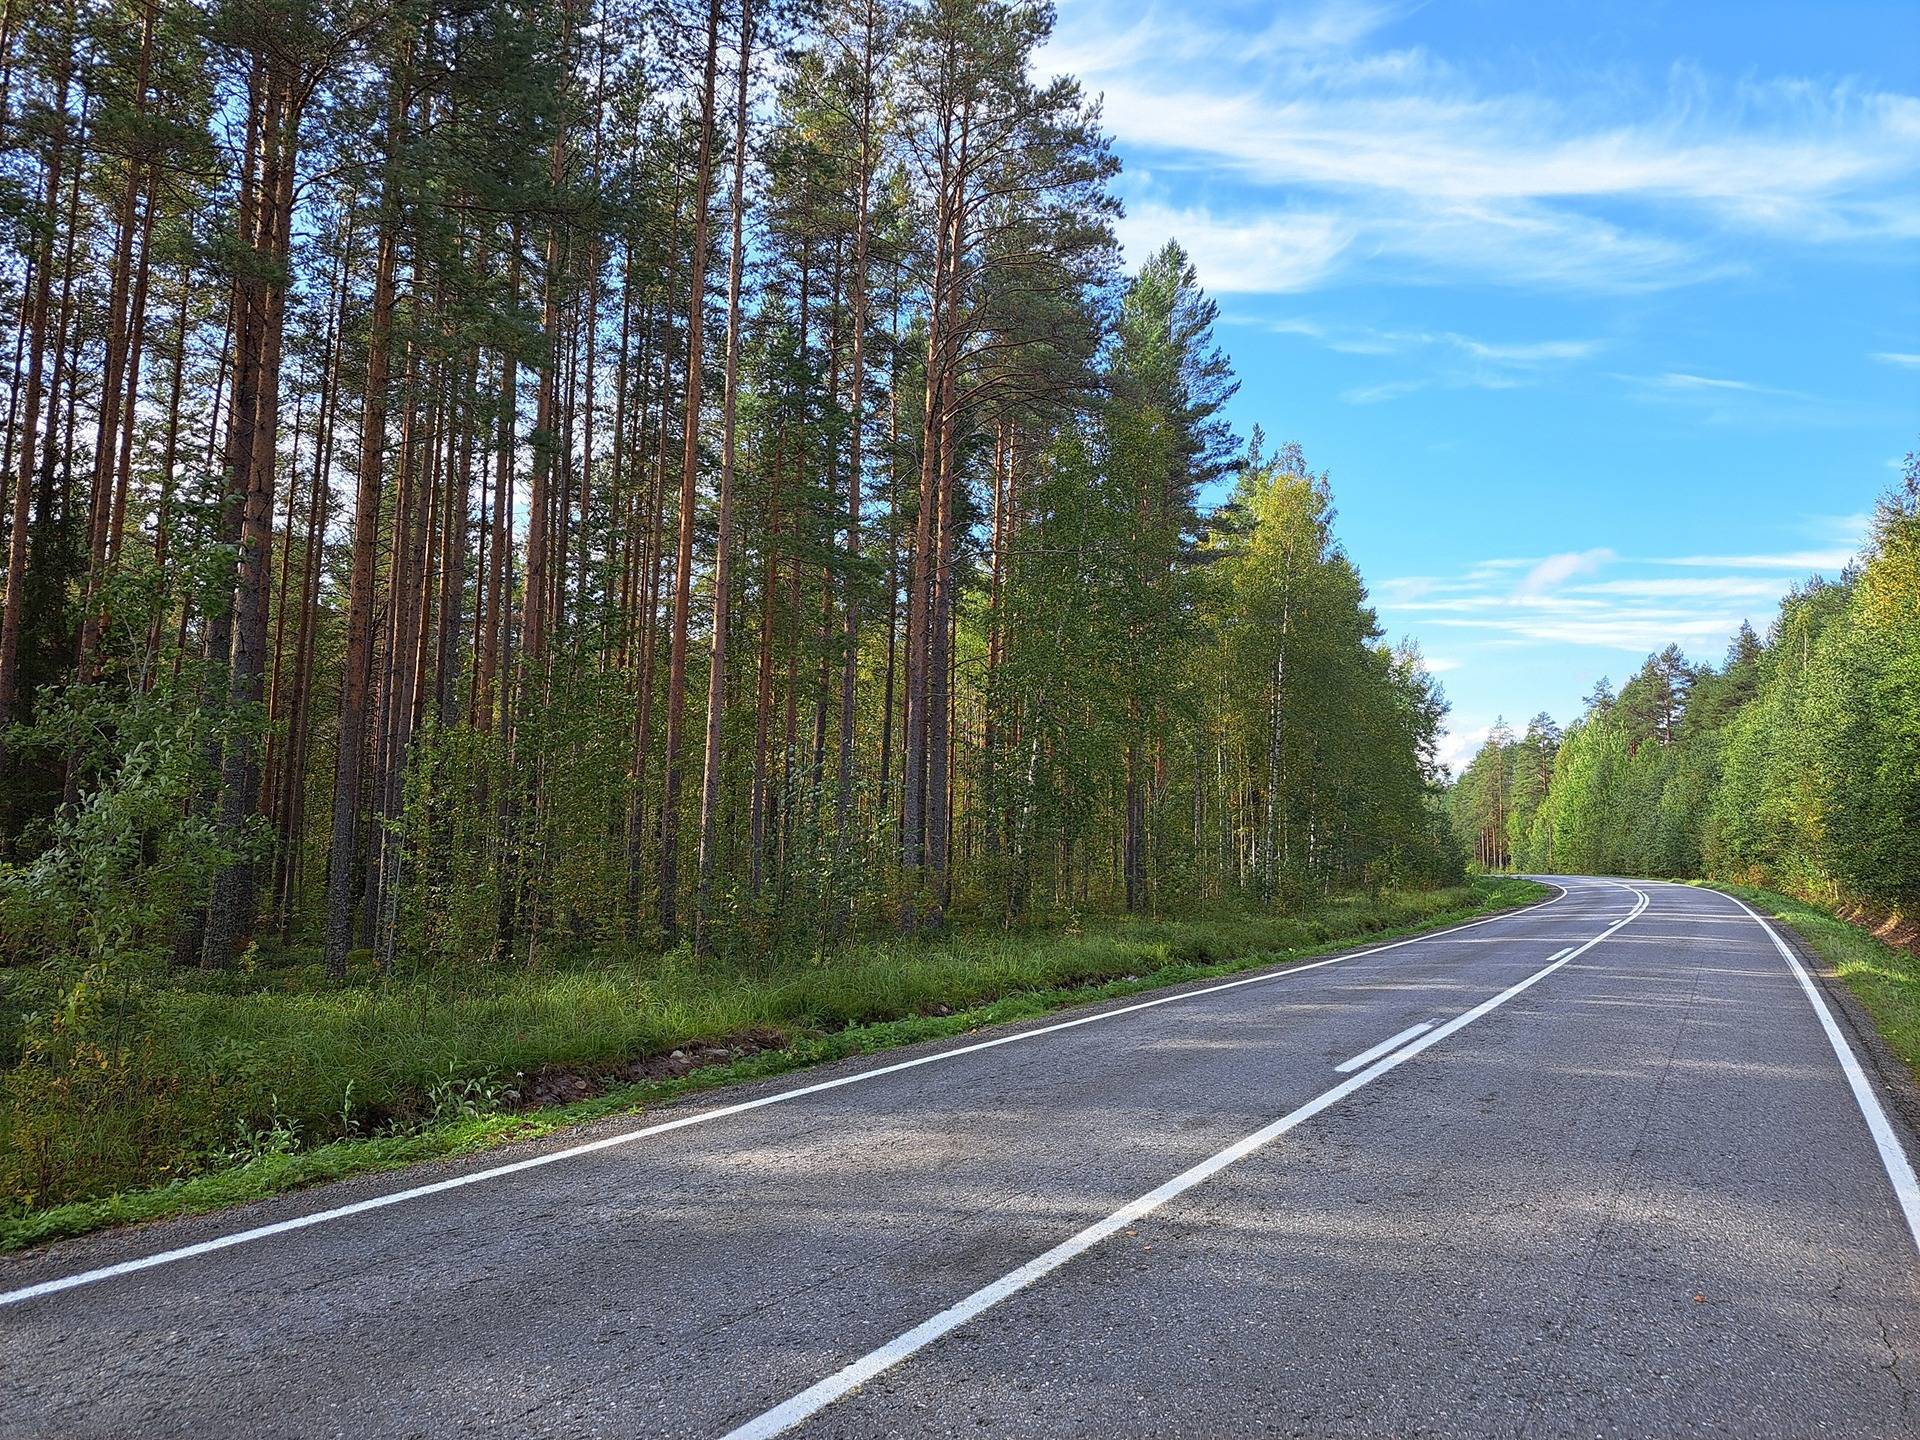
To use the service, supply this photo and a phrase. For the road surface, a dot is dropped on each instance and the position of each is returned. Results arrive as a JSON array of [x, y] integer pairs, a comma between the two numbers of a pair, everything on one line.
[[1607, 1166]]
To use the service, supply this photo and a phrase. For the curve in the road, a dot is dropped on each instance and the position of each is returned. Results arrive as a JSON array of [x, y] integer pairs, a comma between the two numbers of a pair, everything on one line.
[[1627, 1190], [789, 1413]]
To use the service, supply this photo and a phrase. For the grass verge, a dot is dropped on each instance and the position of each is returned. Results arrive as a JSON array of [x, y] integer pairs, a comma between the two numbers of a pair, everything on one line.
[[427, 1054], [1886, 979]]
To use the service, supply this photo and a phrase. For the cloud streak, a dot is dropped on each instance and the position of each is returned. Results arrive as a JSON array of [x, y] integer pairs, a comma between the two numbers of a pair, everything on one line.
[[1399, 162], [1460, 362], [1577, 598], [1801, 562], [1556, 570], [1268, 254]]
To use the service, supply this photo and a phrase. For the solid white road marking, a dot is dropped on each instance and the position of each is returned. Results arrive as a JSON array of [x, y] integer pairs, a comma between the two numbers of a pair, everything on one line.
[[1906, 1188], [816, 1397], [627, 1137], [1392, 1042]]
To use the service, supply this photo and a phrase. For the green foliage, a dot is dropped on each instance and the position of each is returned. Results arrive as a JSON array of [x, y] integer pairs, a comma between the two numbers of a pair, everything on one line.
[[1334, 731], [87, 926]]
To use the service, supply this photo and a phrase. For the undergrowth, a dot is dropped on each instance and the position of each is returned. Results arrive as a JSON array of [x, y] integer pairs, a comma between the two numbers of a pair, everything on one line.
[[243, 1085]]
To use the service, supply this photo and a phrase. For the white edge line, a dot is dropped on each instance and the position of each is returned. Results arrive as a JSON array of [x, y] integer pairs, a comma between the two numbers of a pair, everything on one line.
[[627, 1137], [1906, 1188], [1392, 1042], [816, 1397]]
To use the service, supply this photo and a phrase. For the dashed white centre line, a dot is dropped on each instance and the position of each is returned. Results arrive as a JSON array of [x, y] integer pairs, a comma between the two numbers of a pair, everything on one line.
[[789, 1413], [1386, 1046]]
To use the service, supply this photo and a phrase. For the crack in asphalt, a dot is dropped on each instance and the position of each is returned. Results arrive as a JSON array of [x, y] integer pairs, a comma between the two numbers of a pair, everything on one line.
[[1892, 1367]]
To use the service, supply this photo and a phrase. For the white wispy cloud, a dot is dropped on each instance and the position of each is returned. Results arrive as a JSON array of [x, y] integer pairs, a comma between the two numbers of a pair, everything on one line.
[[1353, 339], [1526, 352], [1727, 400], [1850, 530], [1385, 390], [1456, 361], [1797, 562], [1556, 570], [1544, 609], [1674, 380], [1420, 168], [1690, 587], [1269, 253], [1897, 357], [1564, 600], [1635, 632], [1458, 747]]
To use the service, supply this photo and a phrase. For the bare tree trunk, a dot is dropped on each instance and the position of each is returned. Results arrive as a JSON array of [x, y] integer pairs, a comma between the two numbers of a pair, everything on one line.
[[856, 470], [357, 666], [136, 349], [499, 597], [123, 319], [453, 571], [893, 563], [230, 912], [920, 575], [941, 622], [990, 741], [411, 586], [319, 506], [17, 553], [723, 553], [542, 534], [169, 456], [689, 476], [763, 680]]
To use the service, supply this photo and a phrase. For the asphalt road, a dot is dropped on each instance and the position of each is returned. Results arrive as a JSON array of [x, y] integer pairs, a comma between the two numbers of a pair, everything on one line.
[[1613, 1180]]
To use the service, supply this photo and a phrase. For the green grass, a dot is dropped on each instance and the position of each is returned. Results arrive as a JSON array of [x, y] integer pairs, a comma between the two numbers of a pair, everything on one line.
[[253, 1085], [1886, 979]]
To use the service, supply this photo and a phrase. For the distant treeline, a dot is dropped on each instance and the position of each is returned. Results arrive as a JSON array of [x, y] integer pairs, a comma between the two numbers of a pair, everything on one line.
[[1794, 763]]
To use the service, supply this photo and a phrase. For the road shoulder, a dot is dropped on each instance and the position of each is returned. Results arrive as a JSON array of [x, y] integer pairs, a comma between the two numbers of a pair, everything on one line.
[[1896, 1076]]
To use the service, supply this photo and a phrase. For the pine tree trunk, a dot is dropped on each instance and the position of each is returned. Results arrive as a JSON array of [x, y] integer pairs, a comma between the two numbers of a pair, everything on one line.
[[649, 633], [108, 505], [17, 550], [763, 678], [723, 540], [920, 577], [453, 567], [856, 468], [230, 913], [136, 350], [357, 665], [689, 475], [499, 599]]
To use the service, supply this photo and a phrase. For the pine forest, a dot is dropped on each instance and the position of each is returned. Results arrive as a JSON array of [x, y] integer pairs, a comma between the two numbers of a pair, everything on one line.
[[492, 482]]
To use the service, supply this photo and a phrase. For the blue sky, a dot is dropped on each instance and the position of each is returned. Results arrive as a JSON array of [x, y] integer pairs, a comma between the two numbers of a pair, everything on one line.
[[1604, 317]]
